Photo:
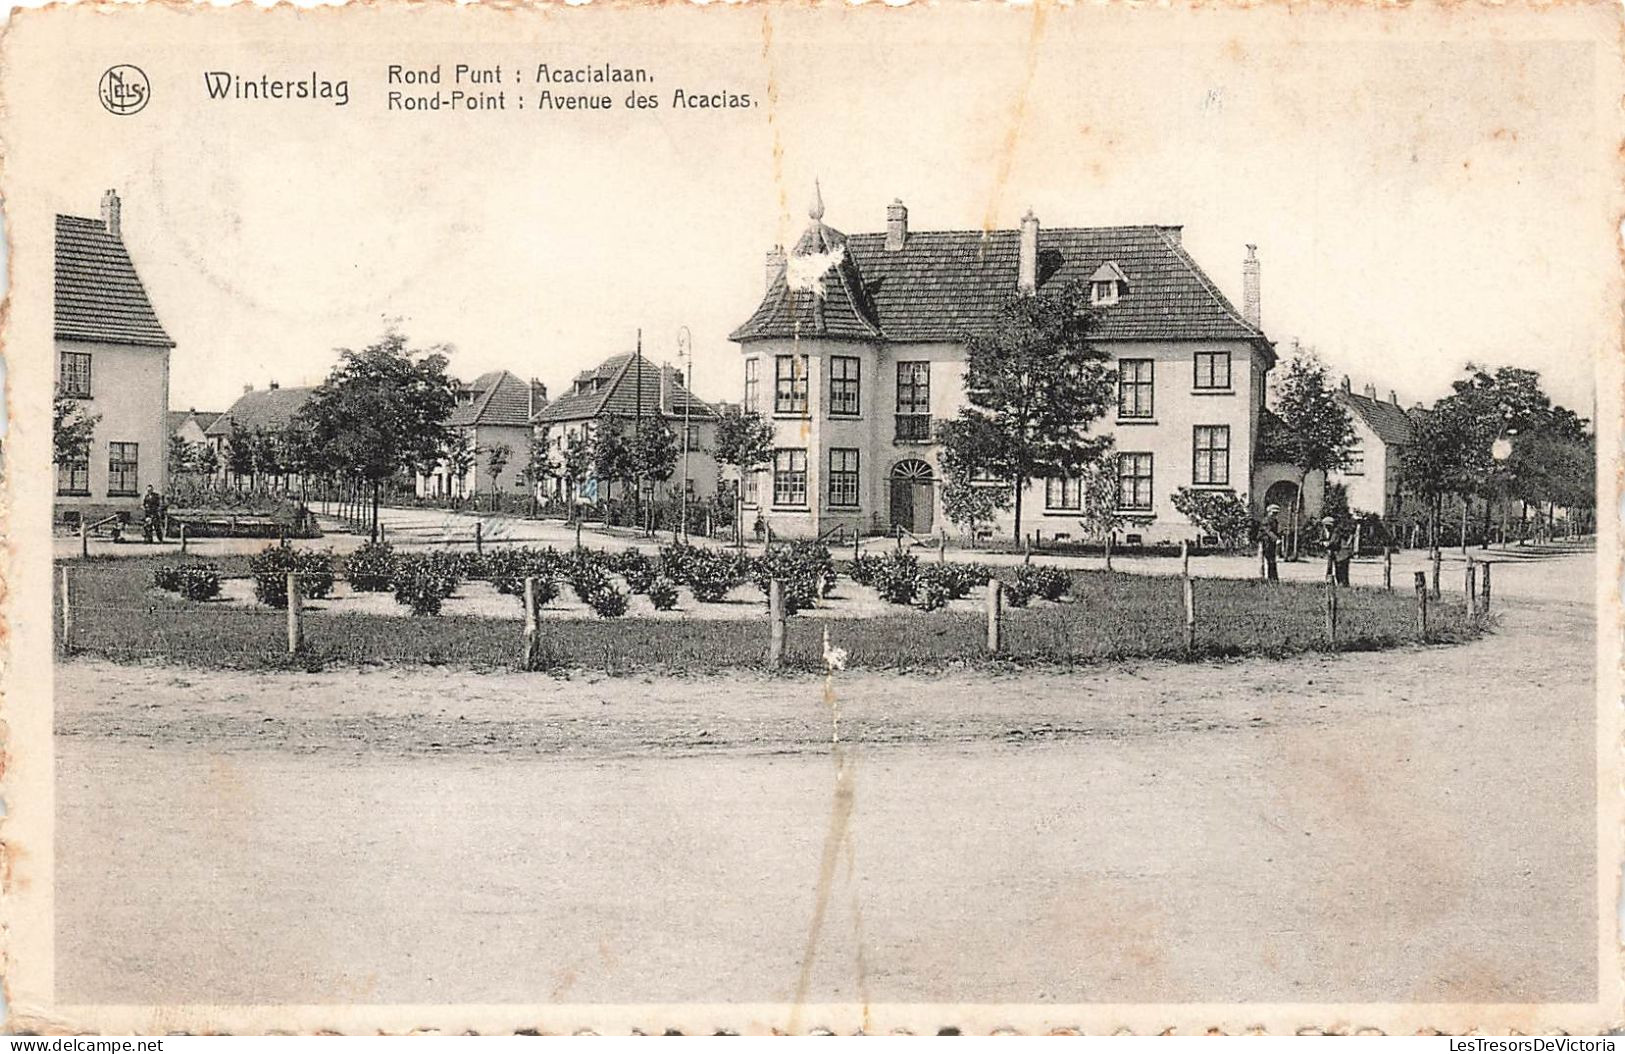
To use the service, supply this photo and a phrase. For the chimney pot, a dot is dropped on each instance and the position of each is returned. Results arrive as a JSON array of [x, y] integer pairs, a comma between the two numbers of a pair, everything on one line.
[[274, 386], [775, 264], [665, 388], [1348, 386], [1251, 306], [1371, 392], [1393, 397], [1027, 269], [896, 225], [110, 213]]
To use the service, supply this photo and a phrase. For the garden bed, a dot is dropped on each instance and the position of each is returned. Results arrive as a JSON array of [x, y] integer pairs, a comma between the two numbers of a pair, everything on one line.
[[120, 615]]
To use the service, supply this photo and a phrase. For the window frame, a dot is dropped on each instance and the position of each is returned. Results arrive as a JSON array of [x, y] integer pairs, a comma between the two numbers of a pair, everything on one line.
[[753, 384], [844, 389], [1356, 459], [1148, 383], [1105, 292], [1127, 471], [692, 439], [750, 490], [118, 468], [62, 374], [916, 408], [784, 477], [75, 470], [841, 491], [1212, 384], [790, 389], [1070, 492], [1206, 454]]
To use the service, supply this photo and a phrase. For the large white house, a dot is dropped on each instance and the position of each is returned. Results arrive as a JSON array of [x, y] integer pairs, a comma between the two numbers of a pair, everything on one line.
[[857, 351], [113, 360], [492, 412]]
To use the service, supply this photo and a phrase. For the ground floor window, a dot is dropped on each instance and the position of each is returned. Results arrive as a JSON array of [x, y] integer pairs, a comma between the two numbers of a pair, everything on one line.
[[1134, 481], [73, 477], [122, 477], [751, 492], [790, 477], [1063, 494], [843, 476]]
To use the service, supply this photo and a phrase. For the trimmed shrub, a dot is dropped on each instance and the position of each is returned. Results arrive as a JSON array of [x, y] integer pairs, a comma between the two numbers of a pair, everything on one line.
[[423, 582], [167, 577], [608, 601], [1016, 594], [270, 569], [804, 568], [1051, 583], [710, 575], [371, 568], [663, 593], [675, 561], [934, 587], [200, 582], [864, 569], [897, 579], [636, 568]]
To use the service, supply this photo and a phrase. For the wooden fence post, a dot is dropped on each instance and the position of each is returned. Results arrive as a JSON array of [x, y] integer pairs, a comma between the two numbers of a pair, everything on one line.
[[1422, 605], [1263, 564], [479, 536], [67, 614], [531, 628], [84, 540], [1026, 548], [855, 539], [1190, 597], [942, 548], [1487, 566], [775, 616], [183, 537], [1388, 567], [1185, 558], [995, 610], [1471, 577], [296, 615], [1331, 612], [1437, 560]]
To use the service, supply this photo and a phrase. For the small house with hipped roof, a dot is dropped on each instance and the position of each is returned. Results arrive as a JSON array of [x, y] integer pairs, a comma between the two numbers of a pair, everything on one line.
[[492, 413], [621, 392]]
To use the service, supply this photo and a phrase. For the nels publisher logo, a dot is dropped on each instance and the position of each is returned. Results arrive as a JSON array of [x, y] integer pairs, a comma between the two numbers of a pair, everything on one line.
[[124, 90]]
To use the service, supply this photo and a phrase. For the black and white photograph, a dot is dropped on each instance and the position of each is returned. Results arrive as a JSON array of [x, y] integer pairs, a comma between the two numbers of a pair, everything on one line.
[[834, 518]]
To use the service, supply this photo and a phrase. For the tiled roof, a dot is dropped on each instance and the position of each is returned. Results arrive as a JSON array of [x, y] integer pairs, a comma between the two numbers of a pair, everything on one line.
[[614, 388], [99, 297], [944, 285], [1391, 423], [500, 398], [177, 418], [267, 408]]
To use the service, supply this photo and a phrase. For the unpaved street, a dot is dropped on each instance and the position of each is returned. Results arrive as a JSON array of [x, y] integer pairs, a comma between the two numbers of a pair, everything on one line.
[[1416, 825]]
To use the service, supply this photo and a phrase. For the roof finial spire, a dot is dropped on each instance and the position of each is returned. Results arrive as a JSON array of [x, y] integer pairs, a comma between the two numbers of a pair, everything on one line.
[[817, 209]]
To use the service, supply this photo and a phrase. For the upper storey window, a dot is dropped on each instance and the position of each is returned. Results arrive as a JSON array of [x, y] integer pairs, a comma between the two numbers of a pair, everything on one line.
[[1107, 285]]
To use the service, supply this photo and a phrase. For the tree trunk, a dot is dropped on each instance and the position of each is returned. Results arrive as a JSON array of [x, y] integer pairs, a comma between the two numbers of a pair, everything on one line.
[[377, 485], [1021, 485]]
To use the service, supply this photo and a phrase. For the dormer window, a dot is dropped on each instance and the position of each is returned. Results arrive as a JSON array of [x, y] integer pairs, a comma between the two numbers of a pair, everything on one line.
[[1107, 285]]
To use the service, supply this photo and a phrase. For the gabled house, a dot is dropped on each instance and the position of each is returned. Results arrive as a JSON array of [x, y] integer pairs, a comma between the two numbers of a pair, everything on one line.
[[113, 361], [191, 426], [493, 411], [857, 351], [1372, 478], [620, 392]]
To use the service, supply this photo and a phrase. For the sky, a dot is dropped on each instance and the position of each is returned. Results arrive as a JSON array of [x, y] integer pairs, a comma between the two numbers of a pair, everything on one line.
[[1418, 200]]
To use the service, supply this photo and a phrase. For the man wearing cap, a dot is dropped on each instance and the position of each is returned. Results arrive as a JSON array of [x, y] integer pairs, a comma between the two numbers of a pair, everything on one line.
[[1269, 540], [1339, 543]]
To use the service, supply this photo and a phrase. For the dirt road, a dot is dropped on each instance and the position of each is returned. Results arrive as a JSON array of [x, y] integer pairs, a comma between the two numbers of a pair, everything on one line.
[[1405, 826]]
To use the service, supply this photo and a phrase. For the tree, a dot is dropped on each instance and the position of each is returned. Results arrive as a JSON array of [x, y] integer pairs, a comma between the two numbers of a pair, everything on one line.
[[966, 449], [208, 462], [612, 458], [744, 441], [1317, 431], [459, 457], [266, 445], [654, 457], [497, 456], [1221, 513], [537, 467], [1034, 379], [71, 430], [580, 456], [181, 458], [382, 410], [1434, 463], [239, 452], [1099, 500]]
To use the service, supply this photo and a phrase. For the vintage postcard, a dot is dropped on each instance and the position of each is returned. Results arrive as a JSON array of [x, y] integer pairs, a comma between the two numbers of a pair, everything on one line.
[[797, 517]]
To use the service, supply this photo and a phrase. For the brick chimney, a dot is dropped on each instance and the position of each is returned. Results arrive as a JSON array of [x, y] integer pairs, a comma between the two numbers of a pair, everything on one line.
[[538, 396], [896, 226], [1027, 269], [665, 388], [775, 264], [1251, 307], [1371, 392], [1393, 397], [110, 213], [274, 386], [1347, 385]]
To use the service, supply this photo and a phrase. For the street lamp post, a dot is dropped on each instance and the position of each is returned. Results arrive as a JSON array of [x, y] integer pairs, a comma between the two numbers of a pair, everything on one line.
[[685, 352]]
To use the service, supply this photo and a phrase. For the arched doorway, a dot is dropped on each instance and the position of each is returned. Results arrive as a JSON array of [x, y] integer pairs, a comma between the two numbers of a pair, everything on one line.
[[912, 495], [1284, 493]]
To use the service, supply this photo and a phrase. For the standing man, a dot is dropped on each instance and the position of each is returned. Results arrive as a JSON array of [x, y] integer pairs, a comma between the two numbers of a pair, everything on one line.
[[1269, 540], [1338, 541], [152, 516]]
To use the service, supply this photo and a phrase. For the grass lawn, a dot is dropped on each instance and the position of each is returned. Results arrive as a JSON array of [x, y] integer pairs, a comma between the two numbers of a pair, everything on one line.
[[118, 616]]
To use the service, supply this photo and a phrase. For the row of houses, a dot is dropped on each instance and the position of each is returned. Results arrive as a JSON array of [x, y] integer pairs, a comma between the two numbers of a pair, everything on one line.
[[854, 352]]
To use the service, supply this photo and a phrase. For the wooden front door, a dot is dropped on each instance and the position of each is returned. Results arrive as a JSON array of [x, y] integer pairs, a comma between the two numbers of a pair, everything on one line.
[[912, 496]]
